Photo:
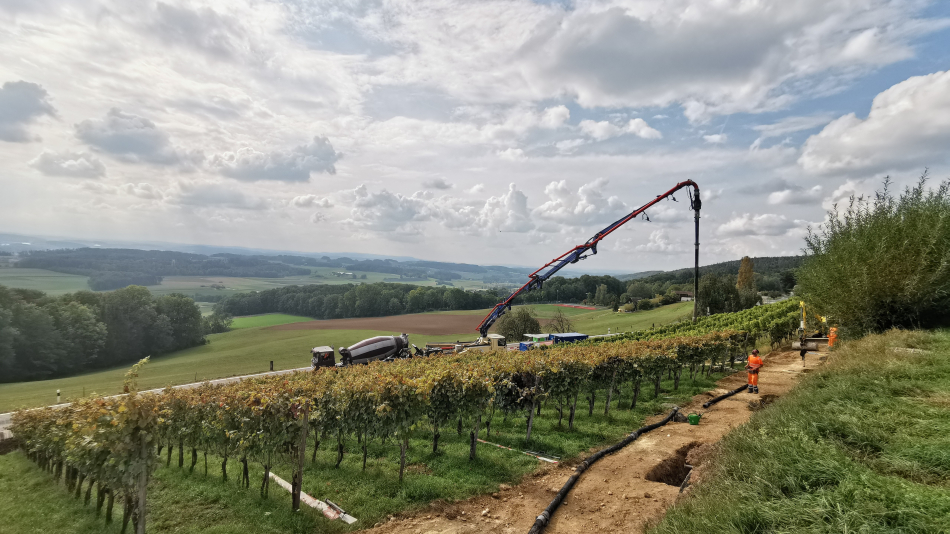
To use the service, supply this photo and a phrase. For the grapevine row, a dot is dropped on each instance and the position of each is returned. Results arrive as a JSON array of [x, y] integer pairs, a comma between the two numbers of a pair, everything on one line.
[[115, 442]]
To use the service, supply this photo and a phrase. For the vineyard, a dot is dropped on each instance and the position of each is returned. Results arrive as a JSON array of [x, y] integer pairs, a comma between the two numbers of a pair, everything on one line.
[[115, 443]]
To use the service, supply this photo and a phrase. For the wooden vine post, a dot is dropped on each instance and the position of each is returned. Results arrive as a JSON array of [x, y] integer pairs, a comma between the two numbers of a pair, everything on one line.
[[300, 457], [142, 488]]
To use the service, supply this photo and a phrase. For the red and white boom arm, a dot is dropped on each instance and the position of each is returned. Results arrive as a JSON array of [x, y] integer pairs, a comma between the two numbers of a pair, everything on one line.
[[580, 252]]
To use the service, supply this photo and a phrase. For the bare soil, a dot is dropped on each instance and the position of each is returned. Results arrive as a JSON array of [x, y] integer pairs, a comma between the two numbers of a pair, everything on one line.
[[624, 492]]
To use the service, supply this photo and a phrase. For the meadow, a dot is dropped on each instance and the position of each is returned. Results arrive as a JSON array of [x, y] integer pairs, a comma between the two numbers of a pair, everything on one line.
[[50, 282]]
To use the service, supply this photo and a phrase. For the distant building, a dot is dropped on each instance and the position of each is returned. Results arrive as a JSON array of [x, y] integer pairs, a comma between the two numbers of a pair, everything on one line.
[[684, 295]]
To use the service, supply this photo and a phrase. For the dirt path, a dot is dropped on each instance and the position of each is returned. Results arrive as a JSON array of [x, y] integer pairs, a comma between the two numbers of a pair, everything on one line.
[[615, 494]]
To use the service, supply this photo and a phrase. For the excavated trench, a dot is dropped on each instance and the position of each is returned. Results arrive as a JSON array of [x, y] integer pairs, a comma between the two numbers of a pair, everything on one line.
[[673, 470]]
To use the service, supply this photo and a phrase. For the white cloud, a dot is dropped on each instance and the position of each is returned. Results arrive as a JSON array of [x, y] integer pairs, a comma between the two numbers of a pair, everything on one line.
[[589, 205], [384, 212], [640, 128], [71, 164], [475, 189], [21, 103], [765, 224], [310, 201], [317, 217], [295, 165], [507, 213], [716, 139], [555, 116], [908, 127], [660, 242], [512, 154], [601, 130], [797, 196]]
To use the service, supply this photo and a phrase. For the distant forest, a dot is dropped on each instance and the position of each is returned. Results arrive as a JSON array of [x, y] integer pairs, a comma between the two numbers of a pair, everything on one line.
[[45, 337], [349, 300], [378, 299], [114, 268]]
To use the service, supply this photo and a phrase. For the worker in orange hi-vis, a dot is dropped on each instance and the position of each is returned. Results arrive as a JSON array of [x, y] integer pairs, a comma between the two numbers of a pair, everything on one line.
[[755, 363], [832, 336]]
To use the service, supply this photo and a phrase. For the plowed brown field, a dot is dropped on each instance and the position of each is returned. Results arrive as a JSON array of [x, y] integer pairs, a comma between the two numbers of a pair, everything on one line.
[[419, 323]]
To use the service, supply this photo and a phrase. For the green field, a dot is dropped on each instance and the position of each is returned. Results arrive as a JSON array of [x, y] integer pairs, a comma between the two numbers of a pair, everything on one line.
[[268, 319], [597, 322], [48, 281], [183, 503]]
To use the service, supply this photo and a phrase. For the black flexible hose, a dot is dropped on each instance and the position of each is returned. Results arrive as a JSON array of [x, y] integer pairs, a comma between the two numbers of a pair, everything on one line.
[[739, 389], [545, 516]]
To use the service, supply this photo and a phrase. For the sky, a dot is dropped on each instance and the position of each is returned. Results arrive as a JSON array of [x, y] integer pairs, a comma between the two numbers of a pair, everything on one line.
[[490, 132]]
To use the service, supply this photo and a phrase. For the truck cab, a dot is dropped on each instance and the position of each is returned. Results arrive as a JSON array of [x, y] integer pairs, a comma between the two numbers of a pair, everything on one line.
[[322, 357]]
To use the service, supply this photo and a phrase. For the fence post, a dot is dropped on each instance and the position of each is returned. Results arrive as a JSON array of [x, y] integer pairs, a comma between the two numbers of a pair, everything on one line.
[[272, 365]]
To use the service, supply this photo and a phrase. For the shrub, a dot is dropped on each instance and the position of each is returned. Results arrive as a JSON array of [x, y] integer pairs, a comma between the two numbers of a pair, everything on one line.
[[882, 262]]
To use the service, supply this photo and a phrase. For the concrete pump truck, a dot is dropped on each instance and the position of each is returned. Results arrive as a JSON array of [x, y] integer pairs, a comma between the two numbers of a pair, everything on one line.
[[391, 347]]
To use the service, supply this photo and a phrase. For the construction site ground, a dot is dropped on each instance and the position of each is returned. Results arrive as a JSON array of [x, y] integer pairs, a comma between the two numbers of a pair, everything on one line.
[[616, 494]]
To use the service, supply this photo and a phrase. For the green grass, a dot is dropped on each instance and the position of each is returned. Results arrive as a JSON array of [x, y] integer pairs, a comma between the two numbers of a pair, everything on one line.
[[268, 319], [183, 503], [862, 445], [51, 282], [597, 322]]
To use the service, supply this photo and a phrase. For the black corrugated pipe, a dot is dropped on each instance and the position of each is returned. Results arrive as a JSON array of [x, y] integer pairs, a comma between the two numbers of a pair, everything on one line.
[[545, 516], [739, 389]]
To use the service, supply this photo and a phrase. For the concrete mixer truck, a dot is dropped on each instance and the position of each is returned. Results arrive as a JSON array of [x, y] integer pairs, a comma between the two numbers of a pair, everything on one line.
[[379, 348]]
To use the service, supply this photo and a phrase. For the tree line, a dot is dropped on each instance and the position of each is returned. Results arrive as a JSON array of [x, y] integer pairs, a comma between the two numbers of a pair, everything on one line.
[[772, 273], [45, 337], [356, 300]]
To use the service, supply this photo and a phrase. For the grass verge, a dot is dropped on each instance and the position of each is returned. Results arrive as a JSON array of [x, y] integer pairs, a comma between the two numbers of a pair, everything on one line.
[[861, 445], [184, 503]]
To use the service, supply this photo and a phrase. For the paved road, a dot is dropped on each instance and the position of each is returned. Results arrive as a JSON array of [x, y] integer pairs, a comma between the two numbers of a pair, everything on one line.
[[6, 418]]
